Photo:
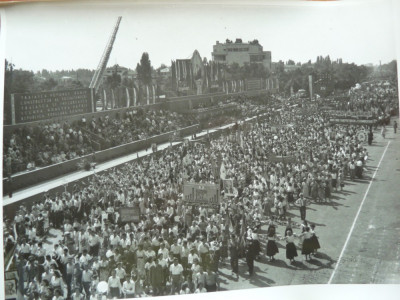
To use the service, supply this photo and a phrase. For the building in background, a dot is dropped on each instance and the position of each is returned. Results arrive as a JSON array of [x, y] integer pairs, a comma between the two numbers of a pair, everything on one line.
[[241, 53], [189, 74]]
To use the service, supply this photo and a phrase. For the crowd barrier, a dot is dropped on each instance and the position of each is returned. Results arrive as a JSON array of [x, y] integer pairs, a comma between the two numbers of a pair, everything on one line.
[[30, 178]]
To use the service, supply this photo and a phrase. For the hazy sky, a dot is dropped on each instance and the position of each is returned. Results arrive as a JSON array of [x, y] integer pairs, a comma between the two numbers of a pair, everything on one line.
[[73, 35]]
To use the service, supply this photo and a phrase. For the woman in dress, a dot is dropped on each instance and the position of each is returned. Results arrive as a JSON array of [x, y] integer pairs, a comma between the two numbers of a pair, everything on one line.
[[272, 248], [307, 247], [314, 239], [291, 251]]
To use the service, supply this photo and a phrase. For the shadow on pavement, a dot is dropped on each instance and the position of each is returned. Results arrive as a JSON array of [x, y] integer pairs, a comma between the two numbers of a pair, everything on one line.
[[317, 224], [300, 265], [346, 193], [280, 264], [319, 264], [257, 279]]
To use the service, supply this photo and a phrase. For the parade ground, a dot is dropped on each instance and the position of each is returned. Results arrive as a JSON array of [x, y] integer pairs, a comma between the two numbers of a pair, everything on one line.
[[358, 232], [358, 229]]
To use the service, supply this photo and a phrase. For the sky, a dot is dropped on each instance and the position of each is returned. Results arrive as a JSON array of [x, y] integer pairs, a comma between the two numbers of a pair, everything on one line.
[[73, 35]]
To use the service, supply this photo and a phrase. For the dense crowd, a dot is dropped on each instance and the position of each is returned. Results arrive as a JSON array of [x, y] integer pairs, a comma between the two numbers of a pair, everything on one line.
[[42, 145], [281, 162], [375, 97], [29, 147]]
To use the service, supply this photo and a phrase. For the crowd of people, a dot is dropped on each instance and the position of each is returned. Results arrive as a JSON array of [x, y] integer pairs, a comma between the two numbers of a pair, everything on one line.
[[283, 161], [376, 98], [29, 147], [175, 248]]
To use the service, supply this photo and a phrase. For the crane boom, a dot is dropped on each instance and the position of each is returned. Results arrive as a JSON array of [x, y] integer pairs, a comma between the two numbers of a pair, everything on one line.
[[98, 75]]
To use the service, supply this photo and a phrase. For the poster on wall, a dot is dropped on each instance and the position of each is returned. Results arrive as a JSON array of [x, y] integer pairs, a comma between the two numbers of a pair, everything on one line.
[[201, 194]]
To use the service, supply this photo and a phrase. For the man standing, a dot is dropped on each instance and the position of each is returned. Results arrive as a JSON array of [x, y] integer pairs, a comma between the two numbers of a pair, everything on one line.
[[212, 283], [371, 137], [128, 287], [301, 202], [250, 255], [114, 285], [157, 279], [86, 280], [176, 272], [69, 271], [234, 256]]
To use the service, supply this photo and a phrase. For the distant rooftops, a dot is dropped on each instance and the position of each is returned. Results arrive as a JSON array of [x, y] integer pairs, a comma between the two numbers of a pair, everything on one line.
[[240, 41]]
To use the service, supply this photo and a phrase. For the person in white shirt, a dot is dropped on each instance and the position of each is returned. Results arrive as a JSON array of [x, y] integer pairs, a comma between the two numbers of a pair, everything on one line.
[[114, 285], [291, 251], [87, 275], [120, 272], [200, 289], [176, 271], [163, 251], [176, 249], [85, 258], [77, 295], [128, 288]]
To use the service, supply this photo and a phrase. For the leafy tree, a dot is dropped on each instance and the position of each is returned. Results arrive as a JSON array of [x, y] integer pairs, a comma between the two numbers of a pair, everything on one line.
[[114, 80], [48, 85], [144, 69]]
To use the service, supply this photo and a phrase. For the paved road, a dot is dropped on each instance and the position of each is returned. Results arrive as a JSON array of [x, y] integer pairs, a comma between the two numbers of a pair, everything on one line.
[[372, 252]]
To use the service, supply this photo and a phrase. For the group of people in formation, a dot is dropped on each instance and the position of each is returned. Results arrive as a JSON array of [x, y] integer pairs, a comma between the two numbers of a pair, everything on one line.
[[307, 241]]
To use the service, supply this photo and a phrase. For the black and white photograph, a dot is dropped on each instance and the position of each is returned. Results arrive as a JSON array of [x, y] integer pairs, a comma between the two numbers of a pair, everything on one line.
[[172, 148]]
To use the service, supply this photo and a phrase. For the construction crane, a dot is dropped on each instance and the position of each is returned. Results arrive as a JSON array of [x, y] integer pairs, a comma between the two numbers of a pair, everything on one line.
[[98, 75]]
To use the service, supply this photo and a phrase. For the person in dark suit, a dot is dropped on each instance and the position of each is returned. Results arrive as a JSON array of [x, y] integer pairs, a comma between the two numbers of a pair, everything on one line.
[[251, 254], [370, 137], [234, 256]]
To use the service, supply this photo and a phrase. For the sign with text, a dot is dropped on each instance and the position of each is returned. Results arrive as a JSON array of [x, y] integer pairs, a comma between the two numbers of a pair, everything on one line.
[[228, 187], [30, 107], [352, 121], [204, 194], [129, 214], [284, 159]]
